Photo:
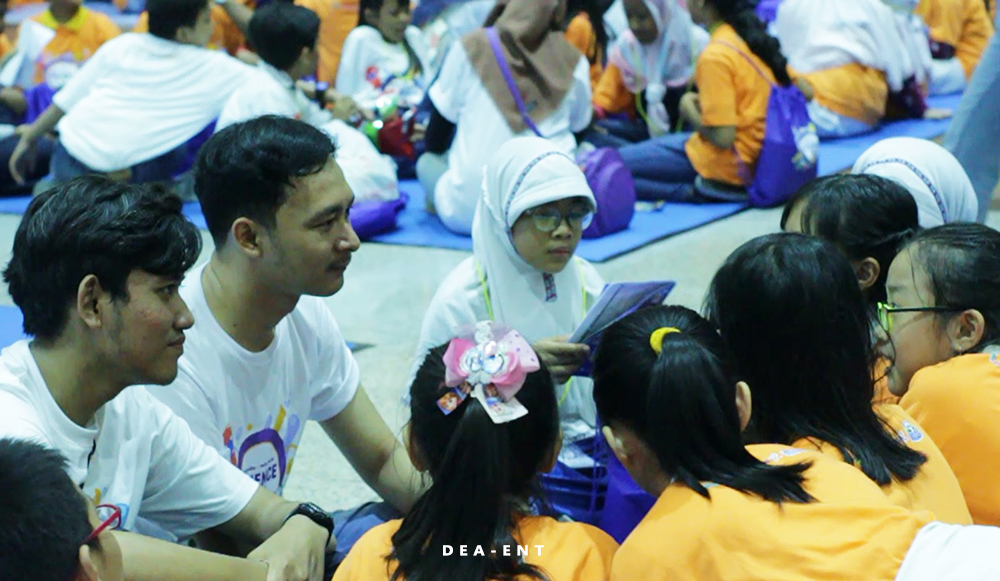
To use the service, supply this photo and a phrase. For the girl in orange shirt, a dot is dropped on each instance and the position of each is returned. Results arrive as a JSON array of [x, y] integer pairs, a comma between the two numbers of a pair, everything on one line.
[[943, 319], [668, 389], [589, 38], [791, 309], [484, 422], [728, 112]]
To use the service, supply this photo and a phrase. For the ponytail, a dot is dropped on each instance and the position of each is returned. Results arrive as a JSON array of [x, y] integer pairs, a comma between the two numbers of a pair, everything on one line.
[[484, 475], [681, 402], [741, 15]]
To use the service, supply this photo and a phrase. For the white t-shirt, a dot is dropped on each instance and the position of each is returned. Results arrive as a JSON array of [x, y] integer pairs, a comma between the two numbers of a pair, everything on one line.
[[371, 175], [369, 62], [252, 407], [140, 97], [460, 96], [135, 454]]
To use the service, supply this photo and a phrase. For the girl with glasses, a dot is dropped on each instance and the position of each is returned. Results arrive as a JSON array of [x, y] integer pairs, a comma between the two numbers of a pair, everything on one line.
[[942, 318], [790, 309], [534, 206], [675, 404]]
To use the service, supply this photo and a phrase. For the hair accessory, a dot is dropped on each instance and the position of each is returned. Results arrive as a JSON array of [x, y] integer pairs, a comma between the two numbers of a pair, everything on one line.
[[490, 369], [656, 339]]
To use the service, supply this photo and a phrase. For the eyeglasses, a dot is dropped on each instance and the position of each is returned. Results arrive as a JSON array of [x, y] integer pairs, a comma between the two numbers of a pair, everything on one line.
[[111, 518], [887, 309], [549, 219]]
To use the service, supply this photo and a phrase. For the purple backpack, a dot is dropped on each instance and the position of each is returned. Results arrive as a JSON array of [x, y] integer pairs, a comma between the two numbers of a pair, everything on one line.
[[373, 217], [789, 156], [609, 179]]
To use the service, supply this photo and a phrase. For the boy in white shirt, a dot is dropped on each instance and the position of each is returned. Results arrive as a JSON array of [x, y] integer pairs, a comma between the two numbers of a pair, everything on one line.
[[95, 271], [285, 36], [134, 105], [266, 355]]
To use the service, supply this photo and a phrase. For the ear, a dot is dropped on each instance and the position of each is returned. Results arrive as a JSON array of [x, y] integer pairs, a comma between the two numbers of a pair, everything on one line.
[[867, 271], [86, 570], [966, 330], [413, 451], [744, 404], [247, 235], [91, 299]]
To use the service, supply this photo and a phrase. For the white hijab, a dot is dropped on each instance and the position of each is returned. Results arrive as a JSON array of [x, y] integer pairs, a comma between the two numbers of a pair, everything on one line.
[[667, 62], [525, 173], [929, 172], [823, 34]]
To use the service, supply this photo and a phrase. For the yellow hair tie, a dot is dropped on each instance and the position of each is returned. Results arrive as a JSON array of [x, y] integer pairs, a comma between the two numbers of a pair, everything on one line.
[[656, 339]]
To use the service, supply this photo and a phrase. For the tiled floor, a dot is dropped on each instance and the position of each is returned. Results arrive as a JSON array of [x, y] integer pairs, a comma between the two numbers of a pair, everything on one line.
[[388, 288]]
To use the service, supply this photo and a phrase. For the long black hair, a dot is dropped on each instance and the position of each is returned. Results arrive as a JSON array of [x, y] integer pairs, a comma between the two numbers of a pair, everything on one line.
[[866, 216], [740, 14], [483, 477], [376, 5], [594, 9], [962, 263], [682, 403], [791, 310]]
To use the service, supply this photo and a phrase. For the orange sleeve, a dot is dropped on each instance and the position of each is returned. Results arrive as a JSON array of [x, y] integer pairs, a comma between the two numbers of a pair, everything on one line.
[[611, 95], [976, 33], [106, 31], [716, 91], [580, 34], [142, 25], [5, 46]]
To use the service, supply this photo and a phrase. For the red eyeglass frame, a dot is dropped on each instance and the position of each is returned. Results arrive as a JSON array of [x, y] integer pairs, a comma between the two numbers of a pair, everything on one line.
[[116, 515]]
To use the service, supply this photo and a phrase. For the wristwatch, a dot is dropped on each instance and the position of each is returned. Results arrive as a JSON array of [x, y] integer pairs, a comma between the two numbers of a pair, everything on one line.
[[315, 514]]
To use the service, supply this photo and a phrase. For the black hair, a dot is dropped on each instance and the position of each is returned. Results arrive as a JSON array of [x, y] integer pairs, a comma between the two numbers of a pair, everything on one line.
[[866, 216], [962, 263], [790, 308], [166, 17], [279, 31], [375, 5], [246, 170], [594, 9], [43, 516], [92, 225], [483, 477], [740, 14], [682, 403]]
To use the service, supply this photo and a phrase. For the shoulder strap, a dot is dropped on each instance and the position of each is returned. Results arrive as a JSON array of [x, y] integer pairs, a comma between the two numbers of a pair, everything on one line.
[[745, 56], [494, 38]]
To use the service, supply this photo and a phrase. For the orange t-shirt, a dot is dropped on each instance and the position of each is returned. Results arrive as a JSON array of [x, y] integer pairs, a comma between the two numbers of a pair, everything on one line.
[[580, 33], [611, 95], [958, 403], [732, 93], [5, 45], [962, 24], [851, 531], [935, 487], [337, 19], [852, 90], [76, 40], [226, 35], [569, 551]]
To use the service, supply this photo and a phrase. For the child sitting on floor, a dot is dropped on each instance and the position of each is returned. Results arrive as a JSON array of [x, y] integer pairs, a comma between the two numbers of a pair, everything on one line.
[[484, 423], [942, 318], [675, 404], [959, 32]]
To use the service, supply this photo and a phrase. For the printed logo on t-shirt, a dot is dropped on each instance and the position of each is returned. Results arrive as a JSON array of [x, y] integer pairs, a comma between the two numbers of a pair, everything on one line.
[[99, 496], [56, 69], [994, 352], [777, 456], [910, 433], [265, 453]]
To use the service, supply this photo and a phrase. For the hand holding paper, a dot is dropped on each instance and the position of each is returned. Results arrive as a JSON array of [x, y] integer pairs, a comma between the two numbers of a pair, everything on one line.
[[561, 357]]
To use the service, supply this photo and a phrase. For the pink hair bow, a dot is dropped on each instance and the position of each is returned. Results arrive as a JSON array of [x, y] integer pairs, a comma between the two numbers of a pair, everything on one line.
[[491, 370]]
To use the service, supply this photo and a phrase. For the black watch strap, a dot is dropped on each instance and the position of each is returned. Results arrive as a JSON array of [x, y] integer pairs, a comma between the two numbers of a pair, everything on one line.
[[315, 514]]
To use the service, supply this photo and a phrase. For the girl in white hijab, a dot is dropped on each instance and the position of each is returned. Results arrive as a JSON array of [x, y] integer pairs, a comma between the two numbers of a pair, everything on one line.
[[534, 207], [932, 175], [656, 54]]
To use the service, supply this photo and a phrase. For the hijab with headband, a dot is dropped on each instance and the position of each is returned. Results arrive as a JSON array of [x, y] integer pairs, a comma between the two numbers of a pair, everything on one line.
[[525, 173], [541, 60], [929, 172], [667, 62]]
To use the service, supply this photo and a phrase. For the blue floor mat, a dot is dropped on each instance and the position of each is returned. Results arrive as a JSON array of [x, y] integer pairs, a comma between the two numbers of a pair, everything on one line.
[[418, 228], [838, 155]]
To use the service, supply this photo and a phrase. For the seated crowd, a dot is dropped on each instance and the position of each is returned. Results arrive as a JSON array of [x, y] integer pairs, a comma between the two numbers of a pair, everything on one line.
[[827, 416]]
